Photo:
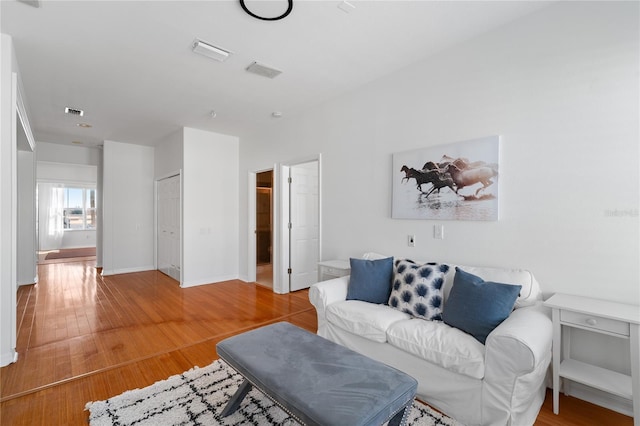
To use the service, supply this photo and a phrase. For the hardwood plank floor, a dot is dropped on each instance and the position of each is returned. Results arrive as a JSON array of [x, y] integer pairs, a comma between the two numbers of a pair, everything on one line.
[[83, 337]]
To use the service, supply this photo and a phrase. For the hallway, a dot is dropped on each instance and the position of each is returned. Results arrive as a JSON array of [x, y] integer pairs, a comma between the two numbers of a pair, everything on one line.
[[84, 337]]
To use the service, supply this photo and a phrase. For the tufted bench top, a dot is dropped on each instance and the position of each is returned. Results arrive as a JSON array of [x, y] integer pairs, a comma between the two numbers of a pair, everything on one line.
[[317, 381]]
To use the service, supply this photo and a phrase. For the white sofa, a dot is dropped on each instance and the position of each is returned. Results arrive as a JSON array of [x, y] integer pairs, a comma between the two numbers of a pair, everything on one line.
[[499, 383]]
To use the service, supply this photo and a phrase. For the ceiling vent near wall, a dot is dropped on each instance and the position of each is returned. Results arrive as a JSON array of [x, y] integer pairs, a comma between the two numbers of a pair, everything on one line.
[[74, 111], [263, 70]]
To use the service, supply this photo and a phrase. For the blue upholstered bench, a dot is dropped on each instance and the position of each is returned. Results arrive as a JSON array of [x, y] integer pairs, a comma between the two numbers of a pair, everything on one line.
[[316, 381]]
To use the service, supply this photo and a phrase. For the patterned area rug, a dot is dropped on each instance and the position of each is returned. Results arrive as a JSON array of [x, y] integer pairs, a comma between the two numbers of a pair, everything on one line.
[[197, 396]]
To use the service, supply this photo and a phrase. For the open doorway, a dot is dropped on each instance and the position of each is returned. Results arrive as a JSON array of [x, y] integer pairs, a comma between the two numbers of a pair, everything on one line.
[[264, 228]]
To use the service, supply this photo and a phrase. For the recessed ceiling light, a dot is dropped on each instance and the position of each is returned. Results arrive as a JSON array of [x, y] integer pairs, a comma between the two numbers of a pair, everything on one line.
[[213, 114], [84, 125], [276, 114], [77, 142], [210, 51]]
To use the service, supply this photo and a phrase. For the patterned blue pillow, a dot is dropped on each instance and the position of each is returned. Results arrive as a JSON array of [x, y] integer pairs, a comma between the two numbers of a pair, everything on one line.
[[417, 289]]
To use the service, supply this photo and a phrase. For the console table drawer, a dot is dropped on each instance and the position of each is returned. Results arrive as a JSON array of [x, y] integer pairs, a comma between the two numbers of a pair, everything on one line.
[[595, 322]]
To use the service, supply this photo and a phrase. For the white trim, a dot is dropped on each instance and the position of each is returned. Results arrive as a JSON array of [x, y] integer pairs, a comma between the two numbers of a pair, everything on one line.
[[210, 280], [23, 116], [598, 397], [9, 357], [14, 212], [127, 270], [251, 225]]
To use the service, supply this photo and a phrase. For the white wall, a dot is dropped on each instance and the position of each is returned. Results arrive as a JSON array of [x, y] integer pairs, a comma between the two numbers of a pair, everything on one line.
[[128, 211], [57, 153], [561, 87], [210, 207], [7, 200], [169, 154]]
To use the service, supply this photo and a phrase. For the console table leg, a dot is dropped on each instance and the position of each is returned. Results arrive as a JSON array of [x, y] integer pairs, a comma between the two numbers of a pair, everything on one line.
[[236, 399], [634, 342], [556, 358]]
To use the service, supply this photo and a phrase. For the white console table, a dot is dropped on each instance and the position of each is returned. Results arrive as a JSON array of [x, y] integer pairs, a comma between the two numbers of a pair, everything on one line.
[[329, 269], [600, 316]]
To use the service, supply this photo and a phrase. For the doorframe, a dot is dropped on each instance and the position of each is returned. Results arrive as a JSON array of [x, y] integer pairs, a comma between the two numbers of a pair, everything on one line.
[[155, 220], [252, 240], [280, 239]]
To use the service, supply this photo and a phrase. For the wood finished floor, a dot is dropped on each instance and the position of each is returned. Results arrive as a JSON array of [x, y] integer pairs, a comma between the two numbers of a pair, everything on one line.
[[83, 337]]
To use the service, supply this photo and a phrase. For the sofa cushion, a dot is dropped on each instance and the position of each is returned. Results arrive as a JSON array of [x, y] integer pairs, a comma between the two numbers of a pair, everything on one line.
[[370, 280], [477, 306], [364, 319], [417, 288], [440, 344]]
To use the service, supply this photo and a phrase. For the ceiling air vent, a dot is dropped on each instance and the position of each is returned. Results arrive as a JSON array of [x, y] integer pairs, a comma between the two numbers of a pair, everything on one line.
[[73, 111], [263, 70]]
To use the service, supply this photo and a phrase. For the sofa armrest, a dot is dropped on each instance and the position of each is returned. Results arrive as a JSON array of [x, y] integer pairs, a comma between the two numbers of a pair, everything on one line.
[[518, 345], [324, 293]]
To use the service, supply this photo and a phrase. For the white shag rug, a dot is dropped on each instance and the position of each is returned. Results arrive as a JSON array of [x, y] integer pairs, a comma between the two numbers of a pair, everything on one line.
[[197, 397]]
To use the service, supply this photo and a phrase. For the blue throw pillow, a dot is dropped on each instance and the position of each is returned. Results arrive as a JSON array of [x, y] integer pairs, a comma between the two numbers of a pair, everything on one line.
[[370, 280], [477, 307]]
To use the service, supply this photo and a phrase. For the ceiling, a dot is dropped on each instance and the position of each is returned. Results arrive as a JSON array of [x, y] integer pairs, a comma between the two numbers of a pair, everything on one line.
[[129, 64]]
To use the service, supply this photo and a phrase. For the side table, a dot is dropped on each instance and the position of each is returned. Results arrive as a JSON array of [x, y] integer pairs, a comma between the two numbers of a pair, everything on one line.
[[329, 269], [599, 316]]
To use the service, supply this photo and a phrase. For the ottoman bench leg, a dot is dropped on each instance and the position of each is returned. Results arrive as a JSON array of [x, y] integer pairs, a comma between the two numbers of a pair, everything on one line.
[[400, 417], [236, 399]]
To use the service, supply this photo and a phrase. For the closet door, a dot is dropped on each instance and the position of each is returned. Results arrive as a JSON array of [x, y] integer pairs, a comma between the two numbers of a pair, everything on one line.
[[169, 226]]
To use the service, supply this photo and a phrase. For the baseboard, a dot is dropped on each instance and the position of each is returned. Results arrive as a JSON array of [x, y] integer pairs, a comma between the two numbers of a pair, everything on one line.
[[106, 272], [210, 280], [8, 357], [598, 397]]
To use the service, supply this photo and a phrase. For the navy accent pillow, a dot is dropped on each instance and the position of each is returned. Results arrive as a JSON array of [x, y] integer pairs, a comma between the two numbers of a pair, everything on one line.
[[417, 288], [370, 280], [476, 306]]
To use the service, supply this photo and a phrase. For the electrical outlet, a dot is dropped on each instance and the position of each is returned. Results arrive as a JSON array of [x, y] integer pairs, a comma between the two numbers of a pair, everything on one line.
[[411, 240]]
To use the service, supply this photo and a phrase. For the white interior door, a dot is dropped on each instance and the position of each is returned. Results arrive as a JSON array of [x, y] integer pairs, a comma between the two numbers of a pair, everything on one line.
[[169, 226], [304, 225]]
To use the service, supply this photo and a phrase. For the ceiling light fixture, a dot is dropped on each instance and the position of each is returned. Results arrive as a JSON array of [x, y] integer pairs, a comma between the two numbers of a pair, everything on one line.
[[77, 142], [84, 125], [263, 18], [210, 51], [213, 114], [276, 114]]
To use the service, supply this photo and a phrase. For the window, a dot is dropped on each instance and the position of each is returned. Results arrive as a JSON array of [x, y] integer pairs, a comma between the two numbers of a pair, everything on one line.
[[79, 210]]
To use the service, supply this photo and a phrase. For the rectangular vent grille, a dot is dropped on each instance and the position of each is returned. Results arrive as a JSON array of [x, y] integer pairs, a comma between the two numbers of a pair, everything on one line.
[[73, 111], [263, 70]]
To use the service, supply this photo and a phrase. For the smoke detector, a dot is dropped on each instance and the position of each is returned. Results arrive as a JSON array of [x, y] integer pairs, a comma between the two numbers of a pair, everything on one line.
[[263, 70]]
